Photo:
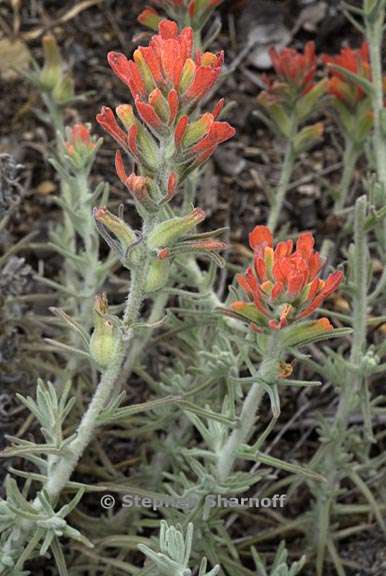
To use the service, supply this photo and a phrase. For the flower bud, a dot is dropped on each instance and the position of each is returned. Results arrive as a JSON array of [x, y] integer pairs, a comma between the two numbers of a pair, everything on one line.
[[249, 311], [64, 90], [150, 18], [117, 226], [105, 339], [157, 276], [51, 74], [171, 230], [307, 136], [80, 145]]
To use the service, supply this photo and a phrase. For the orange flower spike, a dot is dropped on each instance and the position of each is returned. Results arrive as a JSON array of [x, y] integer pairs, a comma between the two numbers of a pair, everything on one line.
[[166, 83], [284, 284], [296, 68], [354, 61], [80, 141]]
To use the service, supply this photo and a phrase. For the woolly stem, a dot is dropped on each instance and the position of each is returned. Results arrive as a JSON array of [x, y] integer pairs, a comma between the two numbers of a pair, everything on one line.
[[285, 177], [349, 162], [351, 388], [267, 371], [374, 33], [62, 471]]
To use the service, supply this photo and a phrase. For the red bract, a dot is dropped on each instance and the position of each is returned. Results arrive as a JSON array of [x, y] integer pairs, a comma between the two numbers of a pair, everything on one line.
[[354, 61], [295, 68], [283, 284]]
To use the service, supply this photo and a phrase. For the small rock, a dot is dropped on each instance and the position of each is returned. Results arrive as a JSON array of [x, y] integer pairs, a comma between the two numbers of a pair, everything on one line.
[[230, 161], [46, 187]]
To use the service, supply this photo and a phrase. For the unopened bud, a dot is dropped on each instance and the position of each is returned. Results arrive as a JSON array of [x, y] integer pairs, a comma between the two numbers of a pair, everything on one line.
[[64, 90], [157, 276], [117, 226], [51, 73], [307, 136], [79, 145], [170, 231], [150, 18], [105, 339], [249, 312]]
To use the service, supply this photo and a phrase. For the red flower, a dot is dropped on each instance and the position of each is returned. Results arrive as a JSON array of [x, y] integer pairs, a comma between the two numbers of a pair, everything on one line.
[[283, 284], [295, 68], [165, 82], [354, 61], [79, 145], [79, 140], [169, 69]]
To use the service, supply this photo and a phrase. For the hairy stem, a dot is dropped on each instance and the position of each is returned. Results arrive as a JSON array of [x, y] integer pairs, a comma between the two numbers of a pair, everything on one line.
[[285, 178], [352, 387], [62, 471], [268, 369], [349, 162], [374, 33]]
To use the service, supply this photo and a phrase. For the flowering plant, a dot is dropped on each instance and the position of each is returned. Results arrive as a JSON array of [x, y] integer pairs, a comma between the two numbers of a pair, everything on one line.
[[154, 364], [287, 102], [349, 74], [167, 81]]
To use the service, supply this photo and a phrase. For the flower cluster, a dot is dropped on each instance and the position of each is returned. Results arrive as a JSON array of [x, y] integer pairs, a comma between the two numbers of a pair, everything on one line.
[[292, 96], [167, 80], [354, 61], [283, 284], [348, 73], [80, 146], [295, 70], [195, 12]]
